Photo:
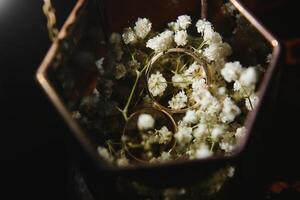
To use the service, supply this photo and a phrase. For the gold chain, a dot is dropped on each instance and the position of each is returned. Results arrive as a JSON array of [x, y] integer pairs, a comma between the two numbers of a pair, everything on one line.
[[49, 12]]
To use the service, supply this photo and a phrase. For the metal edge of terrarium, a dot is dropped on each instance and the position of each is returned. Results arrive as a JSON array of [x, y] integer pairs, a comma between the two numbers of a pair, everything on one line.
[[44, 82], [41, 76], [251, 117]]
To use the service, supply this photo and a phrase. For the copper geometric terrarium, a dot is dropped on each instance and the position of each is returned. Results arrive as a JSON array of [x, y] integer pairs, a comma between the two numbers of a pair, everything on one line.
[[68, 73]]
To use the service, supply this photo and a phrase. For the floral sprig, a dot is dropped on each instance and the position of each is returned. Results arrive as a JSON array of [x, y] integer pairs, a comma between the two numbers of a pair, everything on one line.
[[203, 95]]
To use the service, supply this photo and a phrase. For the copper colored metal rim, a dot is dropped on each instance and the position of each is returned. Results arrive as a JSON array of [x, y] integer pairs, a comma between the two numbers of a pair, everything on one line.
[[50, 91]]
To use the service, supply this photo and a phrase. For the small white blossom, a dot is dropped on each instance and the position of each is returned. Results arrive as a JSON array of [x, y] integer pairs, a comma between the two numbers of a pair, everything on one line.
[[190, 117], [76, 115], [99, 65], [214, 107], [217, 51], [161, 42], [229, 111], [180, 81], [199, 84], [240, 132], [203, 152], [164, 156], [145, 122], [216, 132], [254, 101], [142, 27], [231, 71], [226, 147], [248, 76], [157, 84], [181, 37], [184, 21], [129, 37], [174, 26], [229, 8], [210, 36], [200, 130], [221, 91], [269, 58], [122, 161], [230, 171], [103, 152], [203, 25], [120, 71], [183, 135], [244, 90], [165, 135], [191, 72], [178, 101]]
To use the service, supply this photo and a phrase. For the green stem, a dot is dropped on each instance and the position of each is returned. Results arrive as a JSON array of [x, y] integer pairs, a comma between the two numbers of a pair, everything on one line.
[[125, 110]]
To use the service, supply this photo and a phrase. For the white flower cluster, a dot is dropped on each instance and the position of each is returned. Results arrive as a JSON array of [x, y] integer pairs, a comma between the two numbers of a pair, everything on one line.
[[208, 97], [244, 79], [140, 31], [161, 42], [157, 84], [217, 50]]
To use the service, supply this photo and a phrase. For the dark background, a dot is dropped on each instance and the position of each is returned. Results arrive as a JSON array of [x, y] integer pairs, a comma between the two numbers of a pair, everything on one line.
[[34, 139]]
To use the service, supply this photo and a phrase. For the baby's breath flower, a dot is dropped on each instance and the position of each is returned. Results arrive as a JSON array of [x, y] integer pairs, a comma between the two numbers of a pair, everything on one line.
[[184, 21], [229, 111], [269, 58], [248, 76], [203, 25], [76, 115], [240, 132], [221, 91], [99, 65], [181, 38], [129, 37], [230, 171], [120, 71], [216, 132], [199, 84], [122, 161], [243, 90], [184, 134], [180, 81], [228, 8], [178, 101], [193, 68], [164, 156], [217, 51], [174, 26], [227, 147], [142, 27], [200, 130], [165, 135], [103, 152], [145, 122], [210, 36], [203, 152], [231, 71], [254, 101], [161, 42], [157, 84], [190, 117]]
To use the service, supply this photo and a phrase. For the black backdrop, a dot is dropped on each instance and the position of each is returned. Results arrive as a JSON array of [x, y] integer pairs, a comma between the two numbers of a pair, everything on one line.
[[34, 139]]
